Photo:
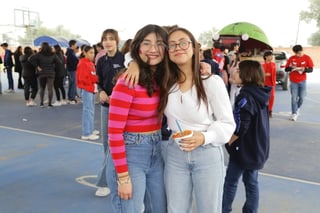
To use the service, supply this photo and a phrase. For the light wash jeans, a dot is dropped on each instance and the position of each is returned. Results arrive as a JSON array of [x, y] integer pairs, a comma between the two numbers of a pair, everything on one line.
[[146, 171], [200, 172], [298, 93], [87, 113], [250, 180], [0, 84], [102, 180], [234, 91]]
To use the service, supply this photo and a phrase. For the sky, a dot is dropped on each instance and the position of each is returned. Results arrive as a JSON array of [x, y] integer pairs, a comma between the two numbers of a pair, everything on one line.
[[279, 19]]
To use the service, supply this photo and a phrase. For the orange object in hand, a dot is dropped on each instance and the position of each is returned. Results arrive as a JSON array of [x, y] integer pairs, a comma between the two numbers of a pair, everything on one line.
[[181, 134]]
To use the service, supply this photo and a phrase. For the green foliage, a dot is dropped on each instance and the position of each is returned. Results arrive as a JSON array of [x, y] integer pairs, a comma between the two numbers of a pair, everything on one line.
[[205, 38], [32, 33], [312, 14], [314, 39]]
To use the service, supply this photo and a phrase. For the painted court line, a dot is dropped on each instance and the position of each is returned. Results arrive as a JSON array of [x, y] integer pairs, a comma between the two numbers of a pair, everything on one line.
[[50, 135], [82, 180], [290, 179]]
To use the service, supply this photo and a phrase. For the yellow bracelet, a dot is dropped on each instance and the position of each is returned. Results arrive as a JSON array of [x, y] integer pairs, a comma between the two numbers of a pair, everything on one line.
[[124, 174], [124, 180]]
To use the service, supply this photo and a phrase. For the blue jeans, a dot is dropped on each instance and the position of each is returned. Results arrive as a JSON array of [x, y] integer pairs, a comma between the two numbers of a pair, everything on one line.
[[88, 99], [10, 78], [298, 92], [0, 84], [72, 90], [102, 180], [200, 172], [250, 180], [146, 171]]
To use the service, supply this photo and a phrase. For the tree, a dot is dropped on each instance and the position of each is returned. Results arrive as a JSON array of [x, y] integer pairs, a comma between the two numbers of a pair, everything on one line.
[[205, 38], [308, 16], [31, 33], [314, 39]]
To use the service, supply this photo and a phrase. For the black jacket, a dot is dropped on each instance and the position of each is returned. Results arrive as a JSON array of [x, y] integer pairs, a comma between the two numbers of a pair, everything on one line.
[[8, 62], [72, 60], [251, 149], [47, 63], [28, 70], [107, 68], [17, 64], [60, 68]]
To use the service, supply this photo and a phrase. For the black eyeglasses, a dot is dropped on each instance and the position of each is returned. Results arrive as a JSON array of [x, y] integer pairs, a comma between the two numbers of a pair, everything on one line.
[[183, 44]]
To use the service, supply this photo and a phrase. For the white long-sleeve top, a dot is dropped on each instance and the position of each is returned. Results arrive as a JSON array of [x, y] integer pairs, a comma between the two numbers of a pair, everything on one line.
[[217, 123]]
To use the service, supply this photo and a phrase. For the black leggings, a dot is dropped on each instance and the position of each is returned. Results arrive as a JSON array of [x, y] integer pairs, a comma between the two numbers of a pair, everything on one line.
[[46, 81], [30, 82], [58, 86]]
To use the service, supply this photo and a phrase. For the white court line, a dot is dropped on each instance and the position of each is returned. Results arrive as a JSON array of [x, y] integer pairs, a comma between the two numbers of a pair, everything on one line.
[[50, 135], [82, 180], [288, 116], [290, 179], [312, 100]]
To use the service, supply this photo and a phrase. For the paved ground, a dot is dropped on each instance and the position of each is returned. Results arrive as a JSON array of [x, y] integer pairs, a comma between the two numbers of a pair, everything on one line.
[[44, 167]]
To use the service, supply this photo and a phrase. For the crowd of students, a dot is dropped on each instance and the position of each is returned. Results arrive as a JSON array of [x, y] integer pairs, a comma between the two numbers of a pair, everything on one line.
[[170, 85]]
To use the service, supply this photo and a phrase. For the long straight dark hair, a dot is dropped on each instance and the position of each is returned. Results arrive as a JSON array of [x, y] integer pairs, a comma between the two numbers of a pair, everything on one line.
[[175, 75], [147, 77]]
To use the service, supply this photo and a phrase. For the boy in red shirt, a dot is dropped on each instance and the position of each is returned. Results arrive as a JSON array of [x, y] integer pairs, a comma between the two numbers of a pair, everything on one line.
[[298, 65], [270, 73]]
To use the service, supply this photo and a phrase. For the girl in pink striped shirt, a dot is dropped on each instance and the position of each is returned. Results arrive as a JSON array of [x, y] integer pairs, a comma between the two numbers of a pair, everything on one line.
[[134, 129]]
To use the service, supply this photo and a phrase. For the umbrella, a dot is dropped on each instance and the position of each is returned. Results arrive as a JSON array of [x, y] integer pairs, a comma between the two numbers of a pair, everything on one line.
[[252, 37]]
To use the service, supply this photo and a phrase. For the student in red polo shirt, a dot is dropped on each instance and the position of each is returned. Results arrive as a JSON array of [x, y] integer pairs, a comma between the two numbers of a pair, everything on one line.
[[270, 73], [298, 65]]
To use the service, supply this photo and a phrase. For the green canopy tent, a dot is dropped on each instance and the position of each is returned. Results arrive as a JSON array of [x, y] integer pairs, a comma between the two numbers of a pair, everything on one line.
[[250, 36]]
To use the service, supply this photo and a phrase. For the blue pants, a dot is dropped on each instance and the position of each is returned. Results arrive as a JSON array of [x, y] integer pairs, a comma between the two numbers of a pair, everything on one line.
[[87, 113], [72, 90], [10, 78], [250, 180], [200, 172], [102, 181], [298, 93], [146, 171]]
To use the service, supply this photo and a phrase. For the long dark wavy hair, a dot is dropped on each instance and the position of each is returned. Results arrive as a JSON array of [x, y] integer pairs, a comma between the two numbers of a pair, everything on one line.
[[147, 77], [46, 49], [174, 75]]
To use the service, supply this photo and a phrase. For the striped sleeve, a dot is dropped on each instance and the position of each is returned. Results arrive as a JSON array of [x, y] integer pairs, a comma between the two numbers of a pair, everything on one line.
[[120, 103]]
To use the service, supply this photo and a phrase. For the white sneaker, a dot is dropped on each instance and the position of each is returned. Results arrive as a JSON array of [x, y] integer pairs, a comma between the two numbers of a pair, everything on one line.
[[294, 117], [64, 102], [96, 132], [102, 192], [9, 91], [72, 102], [90, 137], [57, 103], [31, 103]]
